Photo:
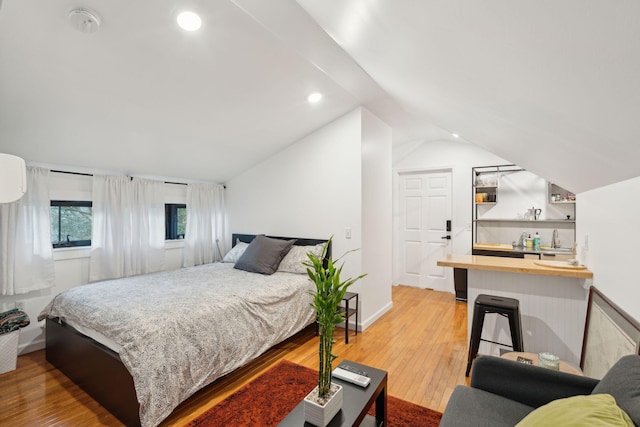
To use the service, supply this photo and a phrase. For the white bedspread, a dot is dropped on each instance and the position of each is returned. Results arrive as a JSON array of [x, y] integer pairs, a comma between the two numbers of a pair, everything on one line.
[[181, 330]]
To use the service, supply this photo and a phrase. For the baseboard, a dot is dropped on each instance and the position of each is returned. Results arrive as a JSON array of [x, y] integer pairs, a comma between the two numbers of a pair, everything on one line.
[[378, 314], [35, 345]]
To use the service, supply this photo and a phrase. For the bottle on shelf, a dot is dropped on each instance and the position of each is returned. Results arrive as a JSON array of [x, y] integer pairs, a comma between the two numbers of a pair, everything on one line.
[[536, 241]]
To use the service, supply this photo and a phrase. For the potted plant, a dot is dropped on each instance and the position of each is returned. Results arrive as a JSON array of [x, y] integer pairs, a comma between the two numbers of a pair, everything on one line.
[[321, 405]]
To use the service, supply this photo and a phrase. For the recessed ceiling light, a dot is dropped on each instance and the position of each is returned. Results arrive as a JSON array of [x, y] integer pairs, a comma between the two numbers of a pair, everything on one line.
[[189, 21], [84, 21], [314, 97]]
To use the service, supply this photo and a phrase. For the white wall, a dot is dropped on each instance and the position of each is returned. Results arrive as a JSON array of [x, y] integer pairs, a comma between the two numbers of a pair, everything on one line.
[[460, 158], [377, 253], [607, 235], [314, 188], [311, 189], [71, 265]]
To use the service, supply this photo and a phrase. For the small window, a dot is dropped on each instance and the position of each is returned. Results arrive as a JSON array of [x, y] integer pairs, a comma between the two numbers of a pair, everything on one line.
[[175, 216], [70, 223]]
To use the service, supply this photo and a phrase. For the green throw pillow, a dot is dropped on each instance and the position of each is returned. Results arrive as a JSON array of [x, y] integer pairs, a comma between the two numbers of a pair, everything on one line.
[[593, 410]]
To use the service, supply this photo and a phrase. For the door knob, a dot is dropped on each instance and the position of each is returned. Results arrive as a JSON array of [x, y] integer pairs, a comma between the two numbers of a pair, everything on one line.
[[446, 237]]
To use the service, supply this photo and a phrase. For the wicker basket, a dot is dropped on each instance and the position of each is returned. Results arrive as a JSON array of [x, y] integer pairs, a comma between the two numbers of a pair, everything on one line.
[[9, 351]]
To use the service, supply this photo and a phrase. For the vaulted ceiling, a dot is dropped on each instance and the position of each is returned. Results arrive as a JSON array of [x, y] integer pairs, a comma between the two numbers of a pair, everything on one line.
[[550, 85]]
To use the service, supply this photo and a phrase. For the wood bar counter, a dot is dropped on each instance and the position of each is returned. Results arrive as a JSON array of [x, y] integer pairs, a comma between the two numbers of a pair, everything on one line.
[[553, 302], [512, 265]]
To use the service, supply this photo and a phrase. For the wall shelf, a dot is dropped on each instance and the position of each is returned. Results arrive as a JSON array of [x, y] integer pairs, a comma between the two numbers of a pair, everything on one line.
[[502, 191], [564, 202], [486, 180], [559, 195]]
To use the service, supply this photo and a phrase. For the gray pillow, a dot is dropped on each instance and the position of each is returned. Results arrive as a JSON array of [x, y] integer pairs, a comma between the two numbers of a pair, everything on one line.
[[622, 381], [263, 255]]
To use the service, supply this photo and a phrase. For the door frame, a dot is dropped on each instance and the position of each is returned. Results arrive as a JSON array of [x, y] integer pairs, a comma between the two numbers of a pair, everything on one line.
[[396, 213]]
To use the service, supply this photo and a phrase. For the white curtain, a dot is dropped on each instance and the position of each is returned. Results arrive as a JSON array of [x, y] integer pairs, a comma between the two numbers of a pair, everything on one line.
[[205, 224], [26, 259], [128, 227]]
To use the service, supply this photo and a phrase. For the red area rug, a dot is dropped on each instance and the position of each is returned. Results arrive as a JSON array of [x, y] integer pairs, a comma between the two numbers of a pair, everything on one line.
[[268, 399]]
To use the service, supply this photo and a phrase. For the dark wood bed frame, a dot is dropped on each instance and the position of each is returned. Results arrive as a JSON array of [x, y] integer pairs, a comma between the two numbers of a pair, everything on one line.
[[98, 370]]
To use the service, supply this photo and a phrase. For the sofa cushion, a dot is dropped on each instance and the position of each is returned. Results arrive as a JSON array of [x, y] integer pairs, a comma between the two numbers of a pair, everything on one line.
[[578, 411], [473, 407], [622, 381], [528, 384]]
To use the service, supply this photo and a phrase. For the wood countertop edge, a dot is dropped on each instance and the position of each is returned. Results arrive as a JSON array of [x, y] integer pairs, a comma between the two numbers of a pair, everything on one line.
[[510, 265], [493, 247]]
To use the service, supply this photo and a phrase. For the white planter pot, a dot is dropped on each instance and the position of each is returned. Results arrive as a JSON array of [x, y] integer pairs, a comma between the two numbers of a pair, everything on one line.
[[321, 414]]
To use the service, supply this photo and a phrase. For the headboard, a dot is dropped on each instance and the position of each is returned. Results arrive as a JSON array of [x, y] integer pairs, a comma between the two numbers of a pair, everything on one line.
[[247, 238], [609, 334]]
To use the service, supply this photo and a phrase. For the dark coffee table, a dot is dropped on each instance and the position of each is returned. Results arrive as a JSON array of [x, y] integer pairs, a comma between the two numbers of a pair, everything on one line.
[[357, 402]]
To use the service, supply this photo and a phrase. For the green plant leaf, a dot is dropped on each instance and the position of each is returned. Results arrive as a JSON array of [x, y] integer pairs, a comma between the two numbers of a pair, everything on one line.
[[327, 296]]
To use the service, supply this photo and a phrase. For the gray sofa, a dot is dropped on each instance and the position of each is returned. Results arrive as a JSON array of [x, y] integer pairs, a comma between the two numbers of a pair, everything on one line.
[[503, 392]]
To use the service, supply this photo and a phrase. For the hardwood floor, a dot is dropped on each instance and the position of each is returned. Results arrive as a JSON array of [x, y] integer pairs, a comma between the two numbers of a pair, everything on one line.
[[421, 343]]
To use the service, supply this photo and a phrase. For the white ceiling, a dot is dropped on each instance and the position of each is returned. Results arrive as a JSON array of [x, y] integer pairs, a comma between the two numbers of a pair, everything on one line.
[[550, 85]]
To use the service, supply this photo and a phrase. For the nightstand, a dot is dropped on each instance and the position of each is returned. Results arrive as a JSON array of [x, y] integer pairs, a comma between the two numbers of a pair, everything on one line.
[[349, 310]]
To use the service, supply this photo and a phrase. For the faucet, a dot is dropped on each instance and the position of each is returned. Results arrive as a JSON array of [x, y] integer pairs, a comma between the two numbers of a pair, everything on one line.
[[554, 239]]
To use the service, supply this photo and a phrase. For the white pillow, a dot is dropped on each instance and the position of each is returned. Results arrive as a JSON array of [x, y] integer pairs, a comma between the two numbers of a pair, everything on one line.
[[292, 262], [235, 253]]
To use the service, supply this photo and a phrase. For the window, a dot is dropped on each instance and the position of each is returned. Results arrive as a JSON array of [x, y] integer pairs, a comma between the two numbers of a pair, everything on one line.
[[175, 217], [70, 223]]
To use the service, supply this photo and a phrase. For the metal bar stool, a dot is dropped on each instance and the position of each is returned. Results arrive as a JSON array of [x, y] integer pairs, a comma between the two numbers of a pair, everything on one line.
[[508, 307]]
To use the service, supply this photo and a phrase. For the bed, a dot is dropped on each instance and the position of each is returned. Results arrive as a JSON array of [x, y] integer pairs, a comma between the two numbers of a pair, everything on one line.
[[142, 345]]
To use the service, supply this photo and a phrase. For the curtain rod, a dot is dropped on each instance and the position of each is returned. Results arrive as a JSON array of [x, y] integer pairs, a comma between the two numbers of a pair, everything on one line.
[[90, 174], [72, 173]]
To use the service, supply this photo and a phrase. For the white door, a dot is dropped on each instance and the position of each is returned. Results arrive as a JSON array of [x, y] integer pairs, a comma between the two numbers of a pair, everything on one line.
[[425, 208]]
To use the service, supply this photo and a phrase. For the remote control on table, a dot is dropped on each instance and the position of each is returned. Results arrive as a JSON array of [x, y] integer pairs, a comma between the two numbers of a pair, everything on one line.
[[354, 370], [352, 377]]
